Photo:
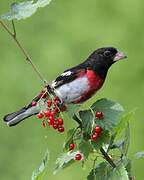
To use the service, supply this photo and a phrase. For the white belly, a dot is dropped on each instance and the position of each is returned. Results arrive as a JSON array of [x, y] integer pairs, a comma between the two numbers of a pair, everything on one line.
[[73, 90]]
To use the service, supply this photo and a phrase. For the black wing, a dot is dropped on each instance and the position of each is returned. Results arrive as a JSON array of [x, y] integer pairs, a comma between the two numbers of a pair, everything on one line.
[[68, 76]]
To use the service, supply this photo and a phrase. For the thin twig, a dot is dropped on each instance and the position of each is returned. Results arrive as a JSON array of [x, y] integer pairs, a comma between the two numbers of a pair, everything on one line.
[[25, 53], [14, 29], [107, 157]]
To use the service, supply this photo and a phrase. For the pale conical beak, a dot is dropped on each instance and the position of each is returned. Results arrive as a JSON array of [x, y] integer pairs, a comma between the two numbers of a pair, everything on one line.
[[119, 56]]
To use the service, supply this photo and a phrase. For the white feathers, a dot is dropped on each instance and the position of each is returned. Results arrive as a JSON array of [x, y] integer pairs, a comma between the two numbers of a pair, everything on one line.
[[54, 83], [74, 90], [67, 73]]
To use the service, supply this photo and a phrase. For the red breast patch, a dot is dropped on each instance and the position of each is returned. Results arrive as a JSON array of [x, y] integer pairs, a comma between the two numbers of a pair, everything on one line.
[[95, 83]]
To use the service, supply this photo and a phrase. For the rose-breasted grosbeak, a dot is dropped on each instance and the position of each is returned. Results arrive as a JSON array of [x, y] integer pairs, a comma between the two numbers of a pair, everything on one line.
[[75, 85]]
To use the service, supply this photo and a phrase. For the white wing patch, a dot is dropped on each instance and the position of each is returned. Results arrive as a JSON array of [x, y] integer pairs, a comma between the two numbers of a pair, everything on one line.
[[54, 83], [67, 73]]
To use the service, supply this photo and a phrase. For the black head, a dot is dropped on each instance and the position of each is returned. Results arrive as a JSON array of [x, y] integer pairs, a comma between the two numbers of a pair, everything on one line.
[[106, 56], [102, 58]]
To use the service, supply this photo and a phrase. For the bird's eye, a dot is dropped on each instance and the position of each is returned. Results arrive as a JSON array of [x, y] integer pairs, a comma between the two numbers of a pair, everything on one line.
[[107, 53]]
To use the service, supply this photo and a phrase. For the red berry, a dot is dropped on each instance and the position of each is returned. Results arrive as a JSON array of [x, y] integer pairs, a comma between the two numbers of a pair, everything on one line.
[[50, 122], [49, 103], [71, 146], [34, 103], [47, 113], [78, 157], [99, 115], [40, 116], [56, 122], [98, 129], [60, 121], [43, 124], [55, 126], [61, 129], [53, 113], [50, 117], [94, 136]]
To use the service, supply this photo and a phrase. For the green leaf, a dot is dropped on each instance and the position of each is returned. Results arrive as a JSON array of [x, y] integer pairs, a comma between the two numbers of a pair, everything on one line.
[[123, 144], [103, 139], [72, 134], [127, 164], [124, 120], [23, 10], [86, 148], [72, 109], [111, 110], [111, 141], [117, 145], [39, 173], [126, 143], [65, 160], [87, 122], [139, 155], [104, 171]]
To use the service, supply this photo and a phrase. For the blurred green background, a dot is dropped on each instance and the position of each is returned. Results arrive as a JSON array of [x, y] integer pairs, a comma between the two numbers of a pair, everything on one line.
[[58, 37]]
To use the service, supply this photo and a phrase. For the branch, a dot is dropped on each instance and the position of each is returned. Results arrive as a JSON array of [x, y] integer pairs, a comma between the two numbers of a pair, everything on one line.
[[107, 157], [25, 53]]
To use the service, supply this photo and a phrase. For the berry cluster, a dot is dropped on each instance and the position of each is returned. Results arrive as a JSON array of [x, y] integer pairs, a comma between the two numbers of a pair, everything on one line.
[[98, 129], [96, 133], [51, 114]]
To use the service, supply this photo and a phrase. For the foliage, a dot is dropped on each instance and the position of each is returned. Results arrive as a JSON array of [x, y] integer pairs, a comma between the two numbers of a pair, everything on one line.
[[24, 9], [139, 155], [85, 146], [39, 173], [115, 135], [103, 171]]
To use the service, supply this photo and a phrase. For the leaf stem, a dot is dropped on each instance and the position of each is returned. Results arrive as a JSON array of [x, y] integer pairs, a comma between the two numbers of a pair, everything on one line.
[[107, 157], [23, 50]]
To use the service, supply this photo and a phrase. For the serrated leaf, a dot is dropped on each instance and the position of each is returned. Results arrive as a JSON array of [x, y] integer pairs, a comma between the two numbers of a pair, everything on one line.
[[72, 134], [104, 171], [72, 109], [87, 122], [127, 164], [23, 10], [86, 148], [139, 155], [124, 120], [39, 173], [123, 144], [65, 160], [111, 110], [103, 139]]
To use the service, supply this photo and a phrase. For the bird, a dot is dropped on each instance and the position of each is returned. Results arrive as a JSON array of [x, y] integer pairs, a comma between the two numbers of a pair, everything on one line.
[[75, 85]]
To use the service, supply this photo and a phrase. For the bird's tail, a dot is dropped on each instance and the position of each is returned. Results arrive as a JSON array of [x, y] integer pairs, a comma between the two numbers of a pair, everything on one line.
[[14, 118]]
